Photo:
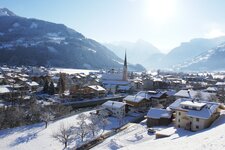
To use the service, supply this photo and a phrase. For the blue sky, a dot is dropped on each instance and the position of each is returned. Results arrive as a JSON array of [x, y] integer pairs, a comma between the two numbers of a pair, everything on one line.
[[164, 23]]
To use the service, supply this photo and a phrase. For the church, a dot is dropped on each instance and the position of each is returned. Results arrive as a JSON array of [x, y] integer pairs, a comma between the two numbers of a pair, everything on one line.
[[117, 81]]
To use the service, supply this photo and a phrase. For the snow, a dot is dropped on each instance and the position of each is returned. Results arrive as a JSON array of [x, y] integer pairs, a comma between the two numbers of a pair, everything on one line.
[[113, 104], [167, 132], [36, 137], [93, 51], [97, 87], [4, 89], [192, 94], [193, 104], [33, 25], [10, 30], [73, 71], [132, 135], [52, 49], [205, 113], [32, 83], [157, 113], [6, 46], [136, 137], [1, 34], [16, 25], [136, 99], [5, 12], [118, 62]]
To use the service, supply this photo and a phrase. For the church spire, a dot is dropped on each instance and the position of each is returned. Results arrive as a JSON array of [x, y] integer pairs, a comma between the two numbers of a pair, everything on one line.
[[125, 74], [125, 60]]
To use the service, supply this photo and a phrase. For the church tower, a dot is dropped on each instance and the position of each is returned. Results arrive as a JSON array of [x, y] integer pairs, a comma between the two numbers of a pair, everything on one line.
[[125, 74]]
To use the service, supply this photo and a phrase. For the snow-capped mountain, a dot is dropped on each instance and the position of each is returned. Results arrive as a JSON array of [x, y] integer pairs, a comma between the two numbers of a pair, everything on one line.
[[139, 52], [35, 42], [6, 12], [211, 60], [189, 50]]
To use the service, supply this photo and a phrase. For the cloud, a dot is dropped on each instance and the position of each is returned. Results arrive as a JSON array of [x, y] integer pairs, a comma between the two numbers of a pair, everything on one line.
[[213, 33]]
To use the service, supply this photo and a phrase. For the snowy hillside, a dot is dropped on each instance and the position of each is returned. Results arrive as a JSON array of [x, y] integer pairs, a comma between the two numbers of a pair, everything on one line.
[[26, 41], [136, 137], [36, 137], [212, 59]]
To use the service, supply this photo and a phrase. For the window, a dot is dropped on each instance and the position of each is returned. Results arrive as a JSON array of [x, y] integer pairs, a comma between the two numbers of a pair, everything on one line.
[[179, 113], [178, 120], [197, 119], [178, 126], [197, 127]]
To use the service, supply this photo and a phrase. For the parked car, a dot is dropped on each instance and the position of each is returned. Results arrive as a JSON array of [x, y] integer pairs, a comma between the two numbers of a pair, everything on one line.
[[150, 130]]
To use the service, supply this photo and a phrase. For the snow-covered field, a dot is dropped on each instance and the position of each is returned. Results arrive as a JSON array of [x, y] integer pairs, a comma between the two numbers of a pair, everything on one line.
[[73, 71], [136, 137], [36, 137]]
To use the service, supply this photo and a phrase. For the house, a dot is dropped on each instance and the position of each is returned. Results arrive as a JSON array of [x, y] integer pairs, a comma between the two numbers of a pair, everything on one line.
[[116, 109], [211, 90], [158, 117], [5, 92], [195, 115], [32, 85], [194, 94], [137, 103], [155, 97], [98, 90], [87, 91]]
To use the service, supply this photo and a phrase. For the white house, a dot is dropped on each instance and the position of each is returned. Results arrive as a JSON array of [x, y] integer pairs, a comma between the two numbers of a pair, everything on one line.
[[116, 109], [195, 115]]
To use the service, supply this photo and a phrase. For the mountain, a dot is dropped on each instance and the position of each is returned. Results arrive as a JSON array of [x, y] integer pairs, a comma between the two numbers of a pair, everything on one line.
[[189, 50], [6, 12], [35, 42], [138, 52], [211, 60]]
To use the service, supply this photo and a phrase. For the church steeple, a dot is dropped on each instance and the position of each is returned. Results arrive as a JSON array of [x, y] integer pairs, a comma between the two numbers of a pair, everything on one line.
[[125, 59], [125, 74]]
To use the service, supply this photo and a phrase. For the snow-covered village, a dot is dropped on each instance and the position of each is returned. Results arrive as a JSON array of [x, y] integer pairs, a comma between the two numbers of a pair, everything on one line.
[[50, 108], [108, 75]]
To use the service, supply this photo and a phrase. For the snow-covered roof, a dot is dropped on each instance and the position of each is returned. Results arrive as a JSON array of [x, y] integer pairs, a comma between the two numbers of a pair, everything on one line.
[[212, 89], [135, 99], [167, 131], [97, 88], [150, 94], [32, 83], [158, 113], [220, 84], [205, 111], [176, 104], [4, 89], [193, 104], [193, 94], [1, 76], [113, 104]]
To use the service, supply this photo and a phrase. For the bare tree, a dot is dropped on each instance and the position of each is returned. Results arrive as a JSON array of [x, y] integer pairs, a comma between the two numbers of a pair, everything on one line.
[[103, 122], [82, 130], [2, 118], [93, 126], [46, 117], [63, 135]]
